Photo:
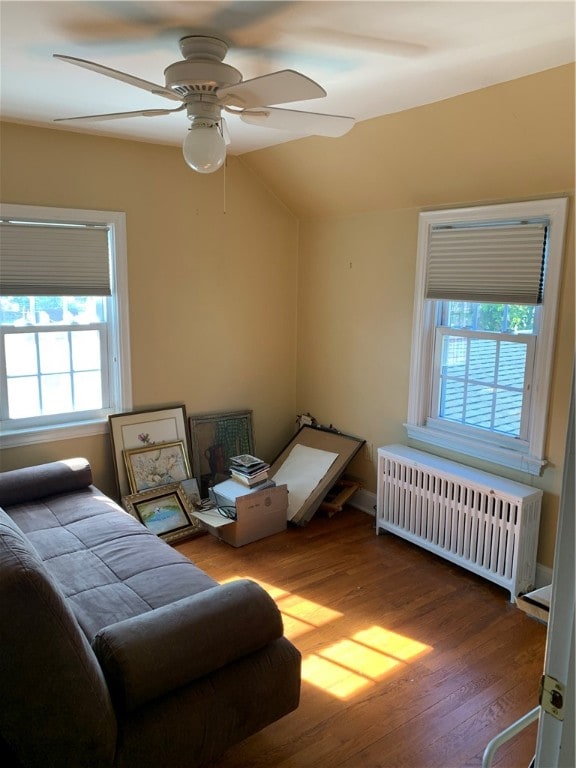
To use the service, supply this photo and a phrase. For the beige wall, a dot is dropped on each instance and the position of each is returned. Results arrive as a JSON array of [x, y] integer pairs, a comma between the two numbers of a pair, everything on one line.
[[360, 200], [212, 293], [506, 142]]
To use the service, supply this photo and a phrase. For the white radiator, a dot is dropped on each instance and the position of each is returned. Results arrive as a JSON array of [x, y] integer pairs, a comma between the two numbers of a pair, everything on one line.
[[480, 521]]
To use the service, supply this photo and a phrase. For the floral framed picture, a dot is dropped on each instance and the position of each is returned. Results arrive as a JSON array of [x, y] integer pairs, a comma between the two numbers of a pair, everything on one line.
[[165, 511], [215, 438], [137, 429], [156, 465]]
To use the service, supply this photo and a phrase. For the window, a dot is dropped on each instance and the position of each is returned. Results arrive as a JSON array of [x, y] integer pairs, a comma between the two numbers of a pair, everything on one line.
[[484, 320], [64, 344]]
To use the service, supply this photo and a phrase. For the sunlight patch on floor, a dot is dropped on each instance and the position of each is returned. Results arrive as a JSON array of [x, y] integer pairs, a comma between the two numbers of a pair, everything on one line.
[[350, 664], [299, 614], [355, 663], [395, 645]]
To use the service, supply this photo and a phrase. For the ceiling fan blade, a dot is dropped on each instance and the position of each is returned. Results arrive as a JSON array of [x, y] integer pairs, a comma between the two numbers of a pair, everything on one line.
[[120, 115], [276, 88], [159, 90], [307, 123]]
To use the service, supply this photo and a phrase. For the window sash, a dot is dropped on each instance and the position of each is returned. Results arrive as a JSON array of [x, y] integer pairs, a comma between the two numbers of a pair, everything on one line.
[[8, 423], [465, 427]]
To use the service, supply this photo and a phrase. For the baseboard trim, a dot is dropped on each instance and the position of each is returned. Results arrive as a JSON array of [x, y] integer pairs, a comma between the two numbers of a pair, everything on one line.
[[543, 576], [365, 501]]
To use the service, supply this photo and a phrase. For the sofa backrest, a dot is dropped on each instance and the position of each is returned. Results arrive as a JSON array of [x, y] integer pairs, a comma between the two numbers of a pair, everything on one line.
[[29, 483], [55, 709]]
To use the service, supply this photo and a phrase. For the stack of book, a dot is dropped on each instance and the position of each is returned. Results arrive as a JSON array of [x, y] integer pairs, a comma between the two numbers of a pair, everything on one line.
[[250, 471]]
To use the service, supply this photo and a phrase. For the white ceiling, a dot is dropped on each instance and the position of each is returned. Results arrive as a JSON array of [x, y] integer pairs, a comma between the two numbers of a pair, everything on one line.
[[373, 58]]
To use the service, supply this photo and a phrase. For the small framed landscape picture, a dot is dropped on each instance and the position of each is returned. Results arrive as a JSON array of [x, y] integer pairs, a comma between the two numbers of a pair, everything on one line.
[[165, 511], [156, 465]]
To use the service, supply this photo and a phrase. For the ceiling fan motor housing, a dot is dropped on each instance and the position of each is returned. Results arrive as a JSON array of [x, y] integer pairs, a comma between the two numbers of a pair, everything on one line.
[[186, 77], [202, 70]]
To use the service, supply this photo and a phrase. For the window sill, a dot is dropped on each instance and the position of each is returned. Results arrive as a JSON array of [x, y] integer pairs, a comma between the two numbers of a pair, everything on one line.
[[504, 457], [53, 433]]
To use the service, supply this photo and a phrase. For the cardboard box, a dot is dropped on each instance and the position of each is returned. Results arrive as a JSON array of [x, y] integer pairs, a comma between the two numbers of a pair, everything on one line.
[[258, 514]]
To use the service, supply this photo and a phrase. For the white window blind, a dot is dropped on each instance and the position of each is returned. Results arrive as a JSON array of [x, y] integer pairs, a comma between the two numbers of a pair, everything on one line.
[[501, 263], [54, 260]]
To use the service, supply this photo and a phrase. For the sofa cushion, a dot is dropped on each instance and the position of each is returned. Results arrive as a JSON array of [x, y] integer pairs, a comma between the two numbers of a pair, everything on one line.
[[55, 708], [110, 567], [31, 483]]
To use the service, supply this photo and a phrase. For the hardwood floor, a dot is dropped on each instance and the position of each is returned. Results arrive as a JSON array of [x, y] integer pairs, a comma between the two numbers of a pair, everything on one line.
[[408, 661]]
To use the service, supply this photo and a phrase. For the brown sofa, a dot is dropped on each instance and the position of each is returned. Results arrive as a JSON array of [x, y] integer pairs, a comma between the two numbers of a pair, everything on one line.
[[115, 650]]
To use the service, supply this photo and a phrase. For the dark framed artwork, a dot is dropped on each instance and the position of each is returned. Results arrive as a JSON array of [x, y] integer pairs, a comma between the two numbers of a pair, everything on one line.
[[137, 429], [165, 511], [215, 438], [156, 465]]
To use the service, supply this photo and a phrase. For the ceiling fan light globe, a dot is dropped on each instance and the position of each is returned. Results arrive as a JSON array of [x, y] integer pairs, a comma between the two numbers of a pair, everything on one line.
[[204, 148]]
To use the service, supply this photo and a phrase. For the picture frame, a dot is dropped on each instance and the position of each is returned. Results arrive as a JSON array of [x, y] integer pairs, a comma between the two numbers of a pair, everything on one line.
[[156, 465], [310, 464], [215, 438], [143, 427], [166, 511]]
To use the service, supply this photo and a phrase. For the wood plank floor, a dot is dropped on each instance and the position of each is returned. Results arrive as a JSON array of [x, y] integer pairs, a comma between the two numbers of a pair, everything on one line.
[[408, 661]]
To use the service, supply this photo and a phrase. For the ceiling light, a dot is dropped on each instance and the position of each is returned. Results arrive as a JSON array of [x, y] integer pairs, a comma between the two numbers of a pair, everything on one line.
[[204, 147]]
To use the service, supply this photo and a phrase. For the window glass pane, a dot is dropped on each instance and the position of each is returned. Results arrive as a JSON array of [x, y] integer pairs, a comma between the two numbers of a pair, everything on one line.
[[52, 310], [87, 309], [87, 391], [23, 397], [512, 365], [14, 310], [54, 352], [479, 404], [48, 309], [508, 412], [56, 393], [521, 319], [452, 400], [498, 318], [20, 351], [482, 382], [491, 317], [459, 314], [482, 365], [85, 350]]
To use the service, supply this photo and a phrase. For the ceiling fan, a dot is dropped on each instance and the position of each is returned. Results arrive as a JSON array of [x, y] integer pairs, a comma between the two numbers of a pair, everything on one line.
[[207, 87]]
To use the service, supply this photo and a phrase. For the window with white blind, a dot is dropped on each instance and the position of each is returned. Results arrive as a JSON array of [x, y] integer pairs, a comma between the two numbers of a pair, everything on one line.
[[484, 320], [64, 343]]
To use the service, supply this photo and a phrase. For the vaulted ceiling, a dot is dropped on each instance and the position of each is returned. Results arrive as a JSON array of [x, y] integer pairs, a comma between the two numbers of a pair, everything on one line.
[[373, 58]]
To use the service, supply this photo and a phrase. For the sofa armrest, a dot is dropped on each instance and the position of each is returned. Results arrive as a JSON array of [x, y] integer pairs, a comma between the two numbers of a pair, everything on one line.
[[19, 486], [147, 656]]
